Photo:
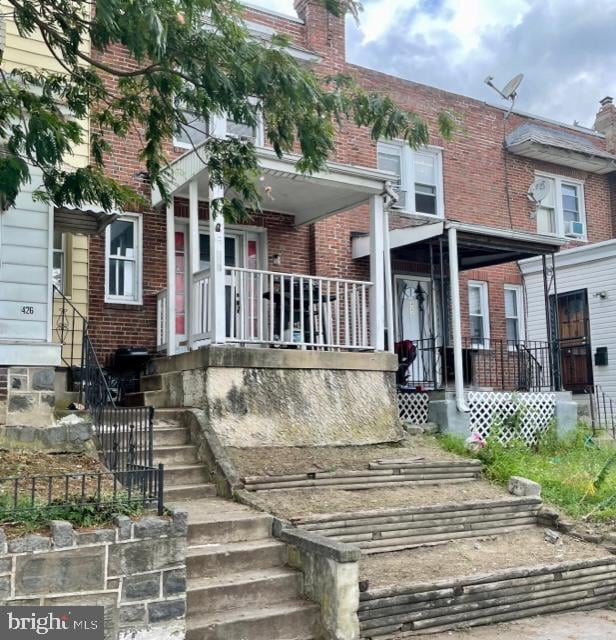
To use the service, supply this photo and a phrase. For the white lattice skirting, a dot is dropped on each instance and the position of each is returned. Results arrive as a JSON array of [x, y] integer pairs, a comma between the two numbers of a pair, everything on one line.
[[525, 414], [413, 406]]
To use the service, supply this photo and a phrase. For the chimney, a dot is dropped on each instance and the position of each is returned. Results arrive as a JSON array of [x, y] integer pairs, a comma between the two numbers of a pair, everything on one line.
[[325, 33], [605, 122]]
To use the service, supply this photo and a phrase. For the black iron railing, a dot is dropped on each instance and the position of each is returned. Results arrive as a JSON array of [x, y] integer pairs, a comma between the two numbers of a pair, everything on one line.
[[71, 327], [602, 411], [502, 365], [139, 486]]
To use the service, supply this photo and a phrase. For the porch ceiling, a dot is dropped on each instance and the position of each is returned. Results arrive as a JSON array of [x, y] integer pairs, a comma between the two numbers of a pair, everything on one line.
[[285, 190], [87, 220]]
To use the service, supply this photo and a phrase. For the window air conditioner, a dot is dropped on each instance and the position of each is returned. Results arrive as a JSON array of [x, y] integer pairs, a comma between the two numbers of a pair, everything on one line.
[[401, 204], [574, 229]]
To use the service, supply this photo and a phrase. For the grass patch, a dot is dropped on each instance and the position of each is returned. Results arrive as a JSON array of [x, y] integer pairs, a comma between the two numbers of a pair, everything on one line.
[[575, 473]]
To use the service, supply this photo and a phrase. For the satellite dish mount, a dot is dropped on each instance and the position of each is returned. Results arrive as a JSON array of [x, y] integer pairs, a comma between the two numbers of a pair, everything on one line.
[[509, 92]]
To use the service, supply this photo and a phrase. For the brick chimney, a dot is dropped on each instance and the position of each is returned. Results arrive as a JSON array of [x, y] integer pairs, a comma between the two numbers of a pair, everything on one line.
[[605, 122], [325, 33]]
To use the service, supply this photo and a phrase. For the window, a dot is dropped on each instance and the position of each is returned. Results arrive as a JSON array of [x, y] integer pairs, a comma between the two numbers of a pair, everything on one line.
[[478, 314], [513, 314], [193, 133], [58, 268], [561, 212], [420, 184], [123, 260]]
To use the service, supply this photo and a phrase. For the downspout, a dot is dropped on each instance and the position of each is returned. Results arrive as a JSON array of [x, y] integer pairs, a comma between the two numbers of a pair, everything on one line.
[[456, 319]]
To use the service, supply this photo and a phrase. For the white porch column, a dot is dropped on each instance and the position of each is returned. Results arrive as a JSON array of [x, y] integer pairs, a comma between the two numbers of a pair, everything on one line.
[[171, 341], [389, 301], [218, 303], [193, 257], [377, 275], [456, 320]]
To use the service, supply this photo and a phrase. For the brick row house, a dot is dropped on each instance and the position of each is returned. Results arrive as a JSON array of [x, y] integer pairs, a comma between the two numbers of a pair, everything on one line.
[[317, 271]]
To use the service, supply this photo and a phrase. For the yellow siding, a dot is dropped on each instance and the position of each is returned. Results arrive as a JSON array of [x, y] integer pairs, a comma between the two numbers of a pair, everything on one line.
[[31, 53]]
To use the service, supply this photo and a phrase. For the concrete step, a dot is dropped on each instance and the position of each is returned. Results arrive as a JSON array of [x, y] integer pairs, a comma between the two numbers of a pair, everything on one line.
[[166, 417], [182, 454], [169, 436], [180, 493], [217, 559], [254, 588], [176, 475], [293, 620], [146, 399], [226, 527], [151, 383]]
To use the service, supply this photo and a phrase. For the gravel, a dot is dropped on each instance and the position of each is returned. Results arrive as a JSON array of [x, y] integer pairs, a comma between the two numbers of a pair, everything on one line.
[[468, 557]]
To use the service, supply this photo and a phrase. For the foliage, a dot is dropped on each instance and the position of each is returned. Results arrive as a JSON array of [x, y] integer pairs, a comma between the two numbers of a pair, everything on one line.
[[81, 512], [189, 57], [575, 473]]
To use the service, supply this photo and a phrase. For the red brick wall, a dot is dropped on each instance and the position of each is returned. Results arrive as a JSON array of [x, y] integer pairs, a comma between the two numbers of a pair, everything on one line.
[[474, 187]]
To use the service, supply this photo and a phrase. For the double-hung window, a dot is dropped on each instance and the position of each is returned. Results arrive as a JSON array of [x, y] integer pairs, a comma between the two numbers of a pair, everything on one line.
[[479, 320], [123, 253], [514, 318], [419, 177], [193, 133], [561, 211]]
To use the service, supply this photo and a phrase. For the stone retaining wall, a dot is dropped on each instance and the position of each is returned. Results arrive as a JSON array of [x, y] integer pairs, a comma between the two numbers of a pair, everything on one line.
[[136, 570]]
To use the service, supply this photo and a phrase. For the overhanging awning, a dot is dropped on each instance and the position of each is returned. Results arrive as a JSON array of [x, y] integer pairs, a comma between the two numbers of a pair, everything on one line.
[[87, 220], [286, 190]]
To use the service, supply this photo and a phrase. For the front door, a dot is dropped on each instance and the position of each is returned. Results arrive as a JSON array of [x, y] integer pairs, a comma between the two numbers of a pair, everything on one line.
[[575, 347]]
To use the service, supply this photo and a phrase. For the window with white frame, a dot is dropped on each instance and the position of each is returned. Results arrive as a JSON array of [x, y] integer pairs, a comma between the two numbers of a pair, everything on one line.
[[193, 133], [420, 182], [479, 320], [59, 259], [562, 212], [514, 318], [123, 260]]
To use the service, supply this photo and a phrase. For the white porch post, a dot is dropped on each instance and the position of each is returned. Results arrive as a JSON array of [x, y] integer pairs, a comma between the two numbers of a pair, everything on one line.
[[377, 275], [218, 303], [389, 302], [456, 319], [171, 342], [193, 256]]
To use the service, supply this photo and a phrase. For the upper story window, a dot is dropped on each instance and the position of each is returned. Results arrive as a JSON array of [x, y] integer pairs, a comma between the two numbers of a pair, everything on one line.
[[123, 254], [420, 182], [514, 320], [561, 212], [479, 319]]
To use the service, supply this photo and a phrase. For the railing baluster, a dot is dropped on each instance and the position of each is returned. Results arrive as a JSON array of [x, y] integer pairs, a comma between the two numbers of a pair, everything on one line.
[[302, 313]]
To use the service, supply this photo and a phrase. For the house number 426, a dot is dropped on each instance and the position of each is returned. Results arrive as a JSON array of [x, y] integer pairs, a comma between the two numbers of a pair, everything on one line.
[[27, 310]]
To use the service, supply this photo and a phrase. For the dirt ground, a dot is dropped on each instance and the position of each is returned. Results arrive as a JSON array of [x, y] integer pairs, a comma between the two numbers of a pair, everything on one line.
[[583, 625], [34, 463], [271, 461], [468, 557], [296, 503]]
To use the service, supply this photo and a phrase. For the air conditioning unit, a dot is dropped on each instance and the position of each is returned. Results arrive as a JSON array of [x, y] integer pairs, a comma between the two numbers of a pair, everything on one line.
[[402, 193], [574, 229]]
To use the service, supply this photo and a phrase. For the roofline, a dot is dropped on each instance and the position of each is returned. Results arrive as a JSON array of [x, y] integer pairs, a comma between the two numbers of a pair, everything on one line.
[[499, 232], [576, 255], [524, 114], [271, 12]]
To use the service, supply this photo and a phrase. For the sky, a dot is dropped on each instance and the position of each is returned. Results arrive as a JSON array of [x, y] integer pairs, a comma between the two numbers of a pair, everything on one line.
[[566, 49]]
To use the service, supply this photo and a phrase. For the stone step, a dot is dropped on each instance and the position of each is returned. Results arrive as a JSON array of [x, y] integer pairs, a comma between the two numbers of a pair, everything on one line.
[[176, 475], [253, 588], [155, 399], [180, 493], [170, 436], [293, 620], [176, 454], [151, 383], [217, 559], [223, 527]]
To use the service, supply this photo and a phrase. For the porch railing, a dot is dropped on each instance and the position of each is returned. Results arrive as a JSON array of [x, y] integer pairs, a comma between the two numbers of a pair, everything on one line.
[[279, 309], [501, 365], [602, 411]]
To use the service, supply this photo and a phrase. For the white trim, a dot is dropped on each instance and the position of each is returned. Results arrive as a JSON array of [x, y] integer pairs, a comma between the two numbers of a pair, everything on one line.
[[518, 289], [137, 298], [271, 12], [559, 180], [514, 234], [605, 250], [49, 273], [485, 311]]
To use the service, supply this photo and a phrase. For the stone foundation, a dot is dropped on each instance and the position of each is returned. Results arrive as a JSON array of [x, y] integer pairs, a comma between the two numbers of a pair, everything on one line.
[[276, 397], [27, 396], [136, 570]]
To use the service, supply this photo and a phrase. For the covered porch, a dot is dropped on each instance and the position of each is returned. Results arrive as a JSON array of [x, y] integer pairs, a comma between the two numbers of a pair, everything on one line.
[[223, 286]]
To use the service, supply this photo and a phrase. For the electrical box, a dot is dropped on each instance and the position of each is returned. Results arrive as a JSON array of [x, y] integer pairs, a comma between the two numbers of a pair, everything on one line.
[[601, 357]]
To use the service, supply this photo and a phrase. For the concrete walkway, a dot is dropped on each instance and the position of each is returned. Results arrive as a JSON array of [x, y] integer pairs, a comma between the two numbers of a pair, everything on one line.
[[582, 625]]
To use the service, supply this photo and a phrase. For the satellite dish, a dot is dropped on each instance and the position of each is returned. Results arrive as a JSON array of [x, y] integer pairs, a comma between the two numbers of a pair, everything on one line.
[[538, 191], [509, 90]]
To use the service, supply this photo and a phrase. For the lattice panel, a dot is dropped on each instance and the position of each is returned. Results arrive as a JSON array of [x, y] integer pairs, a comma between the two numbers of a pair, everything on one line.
[[526, 414], [413, 406]]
